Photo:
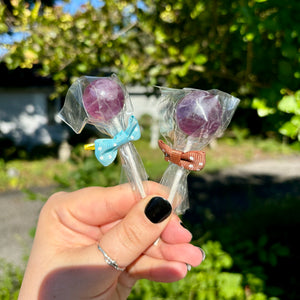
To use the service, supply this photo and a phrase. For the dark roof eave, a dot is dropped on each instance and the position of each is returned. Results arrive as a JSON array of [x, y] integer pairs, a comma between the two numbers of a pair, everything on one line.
[[19, 78]]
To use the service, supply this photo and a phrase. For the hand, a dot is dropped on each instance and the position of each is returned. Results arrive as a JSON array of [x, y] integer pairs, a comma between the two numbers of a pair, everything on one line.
[[65, 262]]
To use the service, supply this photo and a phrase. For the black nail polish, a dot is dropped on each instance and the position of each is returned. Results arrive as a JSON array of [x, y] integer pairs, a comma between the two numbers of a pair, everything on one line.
[[183, 225], [158, 209]]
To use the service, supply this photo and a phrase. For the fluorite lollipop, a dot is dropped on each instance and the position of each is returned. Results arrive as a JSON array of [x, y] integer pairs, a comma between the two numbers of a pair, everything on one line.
[[198, 114], [191, 119], [105, 103], [103, 99]]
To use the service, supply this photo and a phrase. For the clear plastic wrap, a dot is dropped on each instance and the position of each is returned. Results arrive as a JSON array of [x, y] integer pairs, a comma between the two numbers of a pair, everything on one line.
[[189, 120], [105, 103]]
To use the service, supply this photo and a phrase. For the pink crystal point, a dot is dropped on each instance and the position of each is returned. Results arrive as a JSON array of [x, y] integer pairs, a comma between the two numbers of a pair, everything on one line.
[[103, 99], [198, 114]]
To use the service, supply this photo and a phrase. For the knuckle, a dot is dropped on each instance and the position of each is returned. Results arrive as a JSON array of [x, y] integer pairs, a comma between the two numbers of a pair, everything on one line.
[[53, 199], [52, 202], [56, 195], [130, 236]]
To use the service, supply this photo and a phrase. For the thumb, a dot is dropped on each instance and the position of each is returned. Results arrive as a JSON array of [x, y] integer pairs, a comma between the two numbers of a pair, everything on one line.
[[141, 227]]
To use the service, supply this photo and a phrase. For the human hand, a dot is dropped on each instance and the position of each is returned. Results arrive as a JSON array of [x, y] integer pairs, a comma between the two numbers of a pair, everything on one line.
[[65, 262]]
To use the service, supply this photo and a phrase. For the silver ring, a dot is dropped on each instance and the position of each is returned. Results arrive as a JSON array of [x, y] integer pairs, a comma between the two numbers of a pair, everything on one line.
[[109, 260]]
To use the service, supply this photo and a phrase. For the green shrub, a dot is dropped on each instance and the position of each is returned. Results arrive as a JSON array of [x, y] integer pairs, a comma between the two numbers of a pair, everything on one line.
[[10, 280], [209, 281], [290, 104], [88, 171]]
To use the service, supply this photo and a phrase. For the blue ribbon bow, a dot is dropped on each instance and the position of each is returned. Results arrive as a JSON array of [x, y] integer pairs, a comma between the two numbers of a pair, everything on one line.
[[106, 150]]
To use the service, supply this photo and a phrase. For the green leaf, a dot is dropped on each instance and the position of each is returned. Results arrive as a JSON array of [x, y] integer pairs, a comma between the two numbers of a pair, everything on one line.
[[82, 68], [289, 129], [3, 28], [173, 51], [249, 37], [160, 35], [262, 109], [198, 9], [191, 50], [290, 104], [181, 70], [200, 59], [262, 241], [35, 10]]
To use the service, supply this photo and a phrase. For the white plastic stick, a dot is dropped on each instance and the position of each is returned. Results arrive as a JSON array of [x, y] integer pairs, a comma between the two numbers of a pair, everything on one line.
[[138, 183], [178, 174]]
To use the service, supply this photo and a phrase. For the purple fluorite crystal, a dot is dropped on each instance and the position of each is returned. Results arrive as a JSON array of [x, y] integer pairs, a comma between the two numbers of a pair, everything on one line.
[[198, 114], [103, 99]]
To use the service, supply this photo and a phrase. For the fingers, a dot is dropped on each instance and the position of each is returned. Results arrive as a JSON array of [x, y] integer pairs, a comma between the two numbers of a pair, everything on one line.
[[130, 227], [173, 244], [175, 233], [157, 270], [185, 253], [97, 205], [145, 222]]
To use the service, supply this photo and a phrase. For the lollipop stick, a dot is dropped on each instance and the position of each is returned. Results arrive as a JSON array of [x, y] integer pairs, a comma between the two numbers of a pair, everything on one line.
[[132, 165], [135, 177], [179, 173]]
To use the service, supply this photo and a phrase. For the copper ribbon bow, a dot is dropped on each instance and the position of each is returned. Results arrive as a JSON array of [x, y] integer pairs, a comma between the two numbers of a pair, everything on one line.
[[191, 160]]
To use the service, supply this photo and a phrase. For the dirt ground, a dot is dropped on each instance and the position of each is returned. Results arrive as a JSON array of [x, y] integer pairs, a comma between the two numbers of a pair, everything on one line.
[[234, 189]]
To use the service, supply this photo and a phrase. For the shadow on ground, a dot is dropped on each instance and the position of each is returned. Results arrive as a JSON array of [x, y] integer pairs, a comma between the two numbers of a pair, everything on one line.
[[255, 216]]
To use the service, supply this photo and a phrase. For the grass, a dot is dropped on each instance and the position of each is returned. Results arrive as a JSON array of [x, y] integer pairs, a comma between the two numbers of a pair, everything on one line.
[[22, 174]]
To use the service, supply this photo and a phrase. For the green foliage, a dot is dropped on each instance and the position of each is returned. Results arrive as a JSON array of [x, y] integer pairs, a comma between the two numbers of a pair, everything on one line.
[[88, 171], [67, 46], [23, 174], [248, 48], [251, 236], [209, 281], [290, 104], [10, 280], [261, 106]]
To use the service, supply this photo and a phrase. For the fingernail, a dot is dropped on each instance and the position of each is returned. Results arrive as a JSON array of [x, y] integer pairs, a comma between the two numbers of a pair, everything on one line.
[[158, 209], [189, 267], [203, 253], [183, 225]]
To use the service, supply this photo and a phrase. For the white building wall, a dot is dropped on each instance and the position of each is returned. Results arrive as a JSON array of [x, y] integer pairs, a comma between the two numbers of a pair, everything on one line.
[[144, 105], [24, 118]]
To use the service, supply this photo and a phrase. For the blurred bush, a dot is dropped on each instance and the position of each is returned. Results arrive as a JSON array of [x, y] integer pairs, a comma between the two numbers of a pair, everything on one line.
[[212, 280], [88, 171], [10, 280]]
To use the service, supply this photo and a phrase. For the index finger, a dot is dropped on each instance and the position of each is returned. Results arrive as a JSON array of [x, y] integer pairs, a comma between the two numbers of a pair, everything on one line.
[[101, 205]]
